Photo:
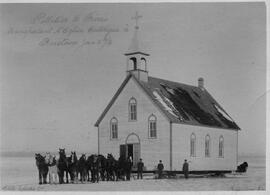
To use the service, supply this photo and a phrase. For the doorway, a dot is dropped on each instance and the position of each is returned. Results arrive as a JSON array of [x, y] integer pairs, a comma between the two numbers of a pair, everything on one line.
[[131, 150]]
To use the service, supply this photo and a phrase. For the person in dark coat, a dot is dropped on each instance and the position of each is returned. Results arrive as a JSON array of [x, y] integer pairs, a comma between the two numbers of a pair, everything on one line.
[[129, 167], [160, 169], [185, 168], [140, 166]]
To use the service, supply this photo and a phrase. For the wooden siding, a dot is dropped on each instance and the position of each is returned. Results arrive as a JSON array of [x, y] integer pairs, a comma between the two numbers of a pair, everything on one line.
[[181, 148], [152, 150]]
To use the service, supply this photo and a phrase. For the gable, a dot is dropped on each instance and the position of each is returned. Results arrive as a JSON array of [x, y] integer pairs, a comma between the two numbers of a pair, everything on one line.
[[128, 79]]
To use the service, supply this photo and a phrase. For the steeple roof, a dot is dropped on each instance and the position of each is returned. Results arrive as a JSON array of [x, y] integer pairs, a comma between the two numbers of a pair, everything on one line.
[[136, 45]]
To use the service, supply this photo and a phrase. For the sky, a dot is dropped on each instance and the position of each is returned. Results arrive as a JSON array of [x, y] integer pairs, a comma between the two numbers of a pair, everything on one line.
[[62, 63]]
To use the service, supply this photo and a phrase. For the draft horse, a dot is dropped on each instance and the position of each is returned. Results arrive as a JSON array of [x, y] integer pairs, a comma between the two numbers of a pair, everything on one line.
[[62, 166], [72, 166], [42, 168]]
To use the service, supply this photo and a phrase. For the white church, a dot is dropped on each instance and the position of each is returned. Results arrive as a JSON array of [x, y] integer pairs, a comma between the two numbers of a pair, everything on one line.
[[156, 119]]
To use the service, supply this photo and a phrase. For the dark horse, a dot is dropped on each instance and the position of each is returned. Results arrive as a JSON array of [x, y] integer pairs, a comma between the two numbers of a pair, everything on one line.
[[122, 168], [242, 168], [112, 168], [42, 168], [72, 166], [95, 165], [62, 166], [102, 166], [82, 168]]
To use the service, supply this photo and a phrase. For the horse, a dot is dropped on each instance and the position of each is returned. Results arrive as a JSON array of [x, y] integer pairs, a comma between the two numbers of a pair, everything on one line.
[[102, 166], [93, 165], [111, 168], [72, 165], [82, 168], [42, 168], [53, 171], [242, 168], [122, 168], [62, 166]]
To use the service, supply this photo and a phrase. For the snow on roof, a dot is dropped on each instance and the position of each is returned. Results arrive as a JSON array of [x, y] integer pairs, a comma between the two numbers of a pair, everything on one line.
[[188, 104], [168, 106], [224, 114]]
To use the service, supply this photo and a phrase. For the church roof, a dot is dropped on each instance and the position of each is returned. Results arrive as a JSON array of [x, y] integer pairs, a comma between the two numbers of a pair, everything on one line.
[[181, 103], [187, 104]]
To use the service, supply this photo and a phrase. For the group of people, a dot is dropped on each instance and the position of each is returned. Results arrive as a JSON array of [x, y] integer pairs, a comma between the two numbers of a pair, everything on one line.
[[91, 168], [160, 168]]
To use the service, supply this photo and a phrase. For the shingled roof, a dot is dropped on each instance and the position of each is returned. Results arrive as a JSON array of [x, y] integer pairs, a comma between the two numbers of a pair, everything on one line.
[[182, 103], [187, 104]]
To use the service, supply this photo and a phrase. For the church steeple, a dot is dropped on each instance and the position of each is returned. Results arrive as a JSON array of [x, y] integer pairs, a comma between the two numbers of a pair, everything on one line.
[[137, 57]]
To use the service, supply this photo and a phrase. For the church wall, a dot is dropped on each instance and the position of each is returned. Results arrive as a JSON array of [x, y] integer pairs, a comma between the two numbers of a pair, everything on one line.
[[181, 148], [152, 150]]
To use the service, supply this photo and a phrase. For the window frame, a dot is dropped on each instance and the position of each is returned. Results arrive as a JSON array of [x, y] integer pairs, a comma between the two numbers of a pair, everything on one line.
[[132, 115], [221, 147], [207, 150], [152, 121], [113, 131], [193, 145]]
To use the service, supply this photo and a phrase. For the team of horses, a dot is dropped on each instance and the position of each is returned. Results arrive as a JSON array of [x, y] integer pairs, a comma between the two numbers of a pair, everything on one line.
[[93, 168]]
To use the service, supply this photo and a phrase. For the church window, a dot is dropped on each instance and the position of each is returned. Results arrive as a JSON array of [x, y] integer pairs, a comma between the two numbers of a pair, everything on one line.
[[114, 128], [152, 126], [132, 109], [192, 144], [207, 146], [221, 147]]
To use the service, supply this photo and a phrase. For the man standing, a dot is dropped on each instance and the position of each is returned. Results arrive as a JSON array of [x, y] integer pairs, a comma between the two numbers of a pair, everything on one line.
[[185, 168], [160, 169], [129, 167], [140, 166]]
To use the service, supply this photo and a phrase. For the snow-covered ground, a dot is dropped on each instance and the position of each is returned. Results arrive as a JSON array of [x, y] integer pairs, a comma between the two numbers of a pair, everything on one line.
[[21, 174]]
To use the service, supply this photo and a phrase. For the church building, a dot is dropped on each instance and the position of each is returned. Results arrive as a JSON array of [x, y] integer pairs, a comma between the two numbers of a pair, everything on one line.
[[156, 119]]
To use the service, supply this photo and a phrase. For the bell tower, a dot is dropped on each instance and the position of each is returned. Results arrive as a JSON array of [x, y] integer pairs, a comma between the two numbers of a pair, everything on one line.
[[137, 57]]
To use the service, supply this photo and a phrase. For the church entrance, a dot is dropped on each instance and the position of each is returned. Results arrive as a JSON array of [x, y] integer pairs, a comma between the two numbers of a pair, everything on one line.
[[131, 148]]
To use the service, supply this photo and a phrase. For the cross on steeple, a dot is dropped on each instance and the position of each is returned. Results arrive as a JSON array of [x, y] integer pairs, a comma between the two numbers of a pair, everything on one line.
[[136, 17]]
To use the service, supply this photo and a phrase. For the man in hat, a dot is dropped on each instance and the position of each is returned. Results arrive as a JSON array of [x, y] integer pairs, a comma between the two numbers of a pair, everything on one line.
[[185, 169], [160, 169], [140, 169]]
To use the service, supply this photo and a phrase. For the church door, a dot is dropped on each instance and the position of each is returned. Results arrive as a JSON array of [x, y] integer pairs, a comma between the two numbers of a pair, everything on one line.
[[132, 148], [123, 150], [136, 153]]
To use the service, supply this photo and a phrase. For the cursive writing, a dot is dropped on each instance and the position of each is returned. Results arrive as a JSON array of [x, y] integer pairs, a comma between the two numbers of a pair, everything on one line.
[[104, 41], [43, 18], [60, 30]]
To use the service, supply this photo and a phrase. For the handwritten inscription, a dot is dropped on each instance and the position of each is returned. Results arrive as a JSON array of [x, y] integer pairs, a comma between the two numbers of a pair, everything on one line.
[[43, 18], [105, 41], [78, 30]]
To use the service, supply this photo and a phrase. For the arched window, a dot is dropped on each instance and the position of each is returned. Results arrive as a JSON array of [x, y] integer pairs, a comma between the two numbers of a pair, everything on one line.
[[132, 109], [152, 126], [143, 64], [221, 147], [192, 144], [114, 128], [133, 61], [207, 146]]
